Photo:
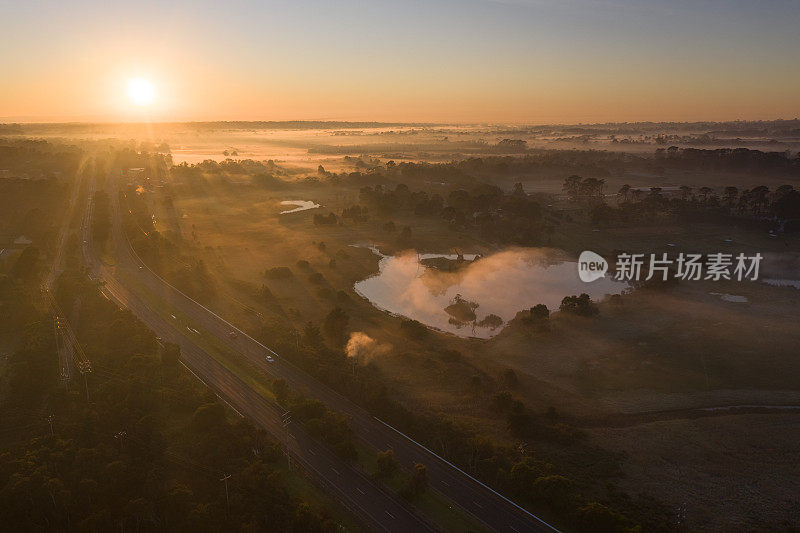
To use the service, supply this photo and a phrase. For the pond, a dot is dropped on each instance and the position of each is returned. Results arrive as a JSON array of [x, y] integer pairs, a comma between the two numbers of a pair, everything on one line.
[[302, 205], [476, 298]]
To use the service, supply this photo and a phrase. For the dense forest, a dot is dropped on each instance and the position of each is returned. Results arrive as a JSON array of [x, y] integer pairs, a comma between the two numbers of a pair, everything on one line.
[[142, 446]]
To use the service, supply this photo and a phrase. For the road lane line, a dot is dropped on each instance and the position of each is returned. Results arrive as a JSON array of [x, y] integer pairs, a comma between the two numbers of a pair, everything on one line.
[[469, 476]]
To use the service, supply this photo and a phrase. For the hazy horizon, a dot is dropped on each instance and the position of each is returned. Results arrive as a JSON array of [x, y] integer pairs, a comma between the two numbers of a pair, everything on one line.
[[516, 61]]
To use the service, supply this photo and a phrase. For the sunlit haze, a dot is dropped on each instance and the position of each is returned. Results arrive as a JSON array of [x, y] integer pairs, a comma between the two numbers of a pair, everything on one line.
[[514, 60], [141, 91], [400, 265]]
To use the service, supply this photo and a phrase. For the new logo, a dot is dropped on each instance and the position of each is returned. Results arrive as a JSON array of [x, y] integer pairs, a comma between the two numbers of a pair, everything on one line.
[[591, 266]]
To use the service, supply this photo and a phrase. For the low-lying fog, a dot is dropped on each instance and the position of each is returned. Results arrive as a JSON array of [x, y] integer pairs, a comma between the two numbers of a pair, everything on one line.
[[501, 284]]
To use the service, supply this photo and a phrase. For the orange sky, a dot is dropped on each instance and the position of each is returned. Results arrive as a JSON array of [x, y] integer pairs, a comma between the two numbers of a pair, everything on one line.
[[481, 61]]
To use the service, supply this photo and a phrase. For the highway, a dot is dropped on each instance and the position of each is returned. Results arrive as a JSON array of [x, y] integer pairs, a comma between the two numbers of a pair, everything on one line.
[[369, 500], [361, 495], [64, 347]]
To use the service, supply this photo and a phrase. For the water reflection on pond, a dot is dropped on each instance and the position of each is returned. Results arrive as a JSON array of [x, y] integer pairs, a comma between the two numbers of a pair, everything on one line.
[[302, 205], [477, 298]]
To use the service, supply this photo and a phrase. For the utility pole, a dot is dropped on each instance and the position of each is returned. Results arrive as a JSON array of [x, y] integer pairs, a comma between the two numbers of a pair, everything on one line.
[[225, 479], [85, 367], [120, 436], [287, 419]]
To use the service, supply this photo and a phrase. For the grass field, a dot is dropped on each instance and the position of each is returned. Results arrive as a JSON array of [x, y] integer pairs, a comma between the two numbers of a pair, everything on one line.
[[661, 350], [733, 473]]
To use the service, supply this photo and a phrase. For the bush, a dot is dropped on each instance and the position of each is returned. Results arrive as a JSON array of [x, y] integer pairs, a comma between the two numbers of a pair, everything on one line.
[[413, 329], [598, 518], [386, 465], [279, 273], [579, 305], [322, 220], [509, 377], [540, 312], [417, 483]]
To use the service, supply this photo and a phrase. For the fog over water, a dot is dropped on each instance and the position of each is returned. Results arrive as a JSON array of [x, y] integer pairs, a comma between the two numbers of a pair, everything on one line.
[[501, 284]]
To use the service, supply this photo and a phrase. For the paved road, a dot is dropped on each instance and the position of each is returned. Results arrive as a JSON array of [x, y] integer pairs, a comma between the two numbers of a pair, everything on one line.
[[357, 492], [485, 505], [64, 347]]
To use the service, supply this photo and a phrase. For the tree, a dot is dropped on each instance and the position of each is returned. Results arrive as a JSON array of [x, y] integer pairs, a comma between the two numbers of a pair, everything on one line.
[[209, 417], [525, 473], [335, 325], [281, 390], [624, 193], [26, 267], [601, 519], [417, 483], [510, 377], [386, 464], [502, 402], [729, 196], [491, 321], [170, 355], [579, 305], [413, 329], [572, 186], [556, 491], [312, 334], [540, 312]]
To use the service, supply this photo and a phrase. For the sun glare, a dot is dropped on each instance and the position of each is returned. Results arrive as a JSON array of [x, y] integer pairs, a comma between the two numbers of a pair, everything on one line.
[[141, 91]]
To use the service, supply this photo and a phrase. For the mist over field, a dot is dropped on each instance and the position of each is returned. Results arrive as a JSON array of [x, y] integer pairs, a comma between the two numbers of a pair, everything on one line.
[[509, 266]]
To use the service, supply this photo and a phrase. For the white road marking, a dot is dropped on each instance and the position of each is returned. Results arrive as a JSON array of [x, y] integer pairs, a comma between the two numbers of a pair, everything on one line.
[[390, 514], [361, 491], [337, 473], [467, 475], [312, 452]]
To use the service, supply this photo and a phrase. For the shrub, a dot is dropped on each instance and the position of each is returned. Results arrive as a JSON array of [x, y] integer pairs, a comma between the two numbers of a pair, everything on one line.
[[413, 329], [279, 273], [579, 305]]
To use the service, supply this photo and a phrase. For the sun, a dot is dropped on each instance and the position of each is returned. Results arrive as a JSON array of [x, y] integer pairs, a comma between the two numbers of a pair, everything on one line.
[[141, 91]]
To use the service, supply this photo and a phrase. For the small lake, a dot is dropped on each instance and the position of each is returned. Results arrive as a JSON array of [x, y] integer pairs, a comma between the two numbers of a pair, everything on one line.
[[301, 205], [462, 301]]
